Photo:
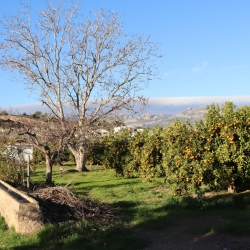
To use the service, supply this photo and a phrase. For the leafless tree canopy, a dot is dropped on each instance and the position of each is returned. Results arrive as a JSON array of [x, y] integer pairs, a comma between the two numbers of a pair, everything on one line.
[[87, 63]]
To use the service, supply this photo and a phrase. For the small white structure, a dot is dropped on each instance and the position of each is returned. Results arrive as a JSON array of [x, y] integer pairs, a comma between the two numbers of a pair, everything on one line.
[[118, 129], [21, 153], [139, 130], [101, 132]]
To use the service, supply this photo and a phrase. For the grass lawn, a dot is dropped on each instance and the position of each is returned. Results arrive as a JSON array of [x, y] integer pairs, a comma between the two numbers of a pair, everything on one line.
[[139, 204]]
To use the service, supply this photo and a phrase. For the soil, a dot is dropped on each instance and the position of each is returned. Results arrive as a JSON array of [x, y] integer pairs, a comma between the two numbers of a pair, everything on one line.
[[186, 234]]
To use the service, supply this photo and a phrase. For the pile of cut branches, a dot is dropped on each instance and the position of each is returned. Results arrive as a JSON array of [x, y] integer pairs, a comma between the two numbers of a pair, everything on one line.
[[58, 204]]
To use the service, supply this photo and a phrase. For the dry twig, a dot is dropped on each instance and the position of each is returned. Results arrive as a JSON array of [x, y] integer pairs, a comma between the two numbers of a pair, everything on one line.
[[58, 204]]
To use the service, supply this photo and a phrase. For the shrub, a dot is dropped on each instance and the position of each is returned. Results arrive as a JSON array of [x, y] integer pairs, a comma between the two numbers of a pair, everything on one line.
[[38, 156], [116, 152], [11, 170], [145, 154]]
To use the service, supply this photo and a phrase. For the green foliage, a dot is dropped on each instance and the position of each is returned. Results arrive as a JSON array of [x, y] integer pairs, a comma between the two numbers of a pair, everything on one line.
[[134, 156], [151, 204], [37, 114], [4, 112], [37, 156], [66, 155], [116, 151], [180, 157], [229, 135], [94, 153], [147, 205], [145, 154], [11, 170], [214, 153], [135, 148]]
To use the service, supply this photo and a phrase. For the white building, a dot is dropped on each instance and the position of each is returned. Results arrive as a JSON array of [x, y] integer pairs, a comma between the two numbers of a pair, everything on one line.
[[21, 153], [101, 132], [130, 129]]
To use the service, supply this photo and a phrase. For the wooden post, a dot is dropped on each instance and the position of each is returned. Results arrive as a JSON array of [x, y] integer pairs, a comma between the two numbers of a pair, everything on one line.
[[28, 172]]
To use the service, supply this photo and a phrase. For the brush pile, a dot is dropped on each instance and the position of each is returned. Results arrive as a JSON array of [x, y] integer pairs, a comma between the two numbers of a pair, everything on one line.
[[58, 204]]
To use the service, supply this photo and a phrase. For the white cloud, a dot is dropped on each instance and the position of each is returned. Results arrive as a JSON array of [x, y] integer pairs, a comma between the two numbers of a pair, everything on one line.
[[186, 73], [171, 105], [204, 64], [166, 105], [199, 100], [196, 69], [170, 73], [199, 68]]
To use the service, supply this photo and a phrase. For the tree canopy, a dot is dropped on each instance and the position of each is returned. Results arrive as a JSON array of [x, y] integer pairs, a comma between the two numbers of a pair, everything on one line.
[[87, 65]]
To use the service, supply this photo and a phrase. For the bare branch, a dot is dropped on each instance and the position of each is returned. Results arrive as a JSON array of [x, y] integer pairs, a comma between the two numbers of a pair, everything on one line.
[[91, 66]]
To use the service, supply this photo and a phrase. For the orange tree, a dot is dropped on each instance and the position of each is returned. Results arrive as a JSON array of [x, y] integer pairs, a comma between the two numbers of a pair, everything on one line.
[[135, 149], [145, 154], [226, 134], [94, 151], [182, 155], [213, 174], [214, 153], [116, 151], [234, 151]]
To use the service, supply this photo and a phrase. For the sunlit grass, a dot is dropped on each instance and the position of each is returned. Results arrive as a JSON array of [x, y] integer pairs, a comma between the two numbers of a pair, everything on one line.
[[147, 205]]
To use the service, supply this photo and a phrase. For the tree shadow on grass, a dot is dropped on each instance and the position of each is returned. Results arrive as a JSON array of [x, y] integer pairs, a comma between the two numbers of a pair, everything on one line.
[[118, 239], [83, 235], [89, 235], [99, 184], [72, 171], [177, 208]]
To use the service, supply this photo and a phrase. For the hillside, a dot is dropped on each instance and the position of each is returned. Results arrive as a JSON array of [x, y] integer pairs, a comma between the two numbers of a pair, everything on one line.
[[151, 120]]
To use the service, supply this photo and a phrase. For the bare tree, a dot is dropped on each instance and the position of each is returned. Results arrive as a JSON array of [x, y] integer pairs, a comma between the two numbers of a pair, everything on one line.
[[84, 65], [39, 133]]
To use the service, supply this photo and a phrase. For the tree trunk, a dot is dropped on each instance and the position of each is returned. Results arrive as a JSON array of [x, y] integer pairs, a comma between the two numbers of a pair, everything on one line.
[[235, 185], [80, 160], [48, 168], [231, 189], [79, 155]]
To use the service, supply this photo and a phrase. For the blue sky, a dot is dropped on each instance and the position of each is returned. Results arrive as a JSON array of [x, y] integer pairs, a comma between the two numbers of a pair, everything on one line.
[[205, 43]]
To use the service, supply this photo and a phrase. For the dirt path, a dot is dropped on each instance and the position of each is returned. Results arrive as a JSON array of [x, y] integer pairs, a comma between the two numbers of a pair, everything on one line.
[[186, 234]]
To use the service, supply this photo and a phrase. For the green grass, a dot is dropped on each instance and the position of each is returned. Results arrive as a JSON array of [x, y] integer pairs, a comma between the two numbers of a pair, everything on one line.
[[139, 204]]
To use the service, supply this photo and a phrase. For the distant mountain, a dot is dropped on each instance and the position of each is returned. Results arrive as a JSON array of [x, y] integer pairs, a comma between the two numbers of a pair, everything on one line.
[[152, 120]]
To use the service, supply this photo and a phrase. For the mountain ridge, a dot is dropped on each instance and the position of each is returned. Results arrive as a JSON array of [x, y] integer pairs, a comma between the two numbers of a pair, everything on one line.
[[152, 120]]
